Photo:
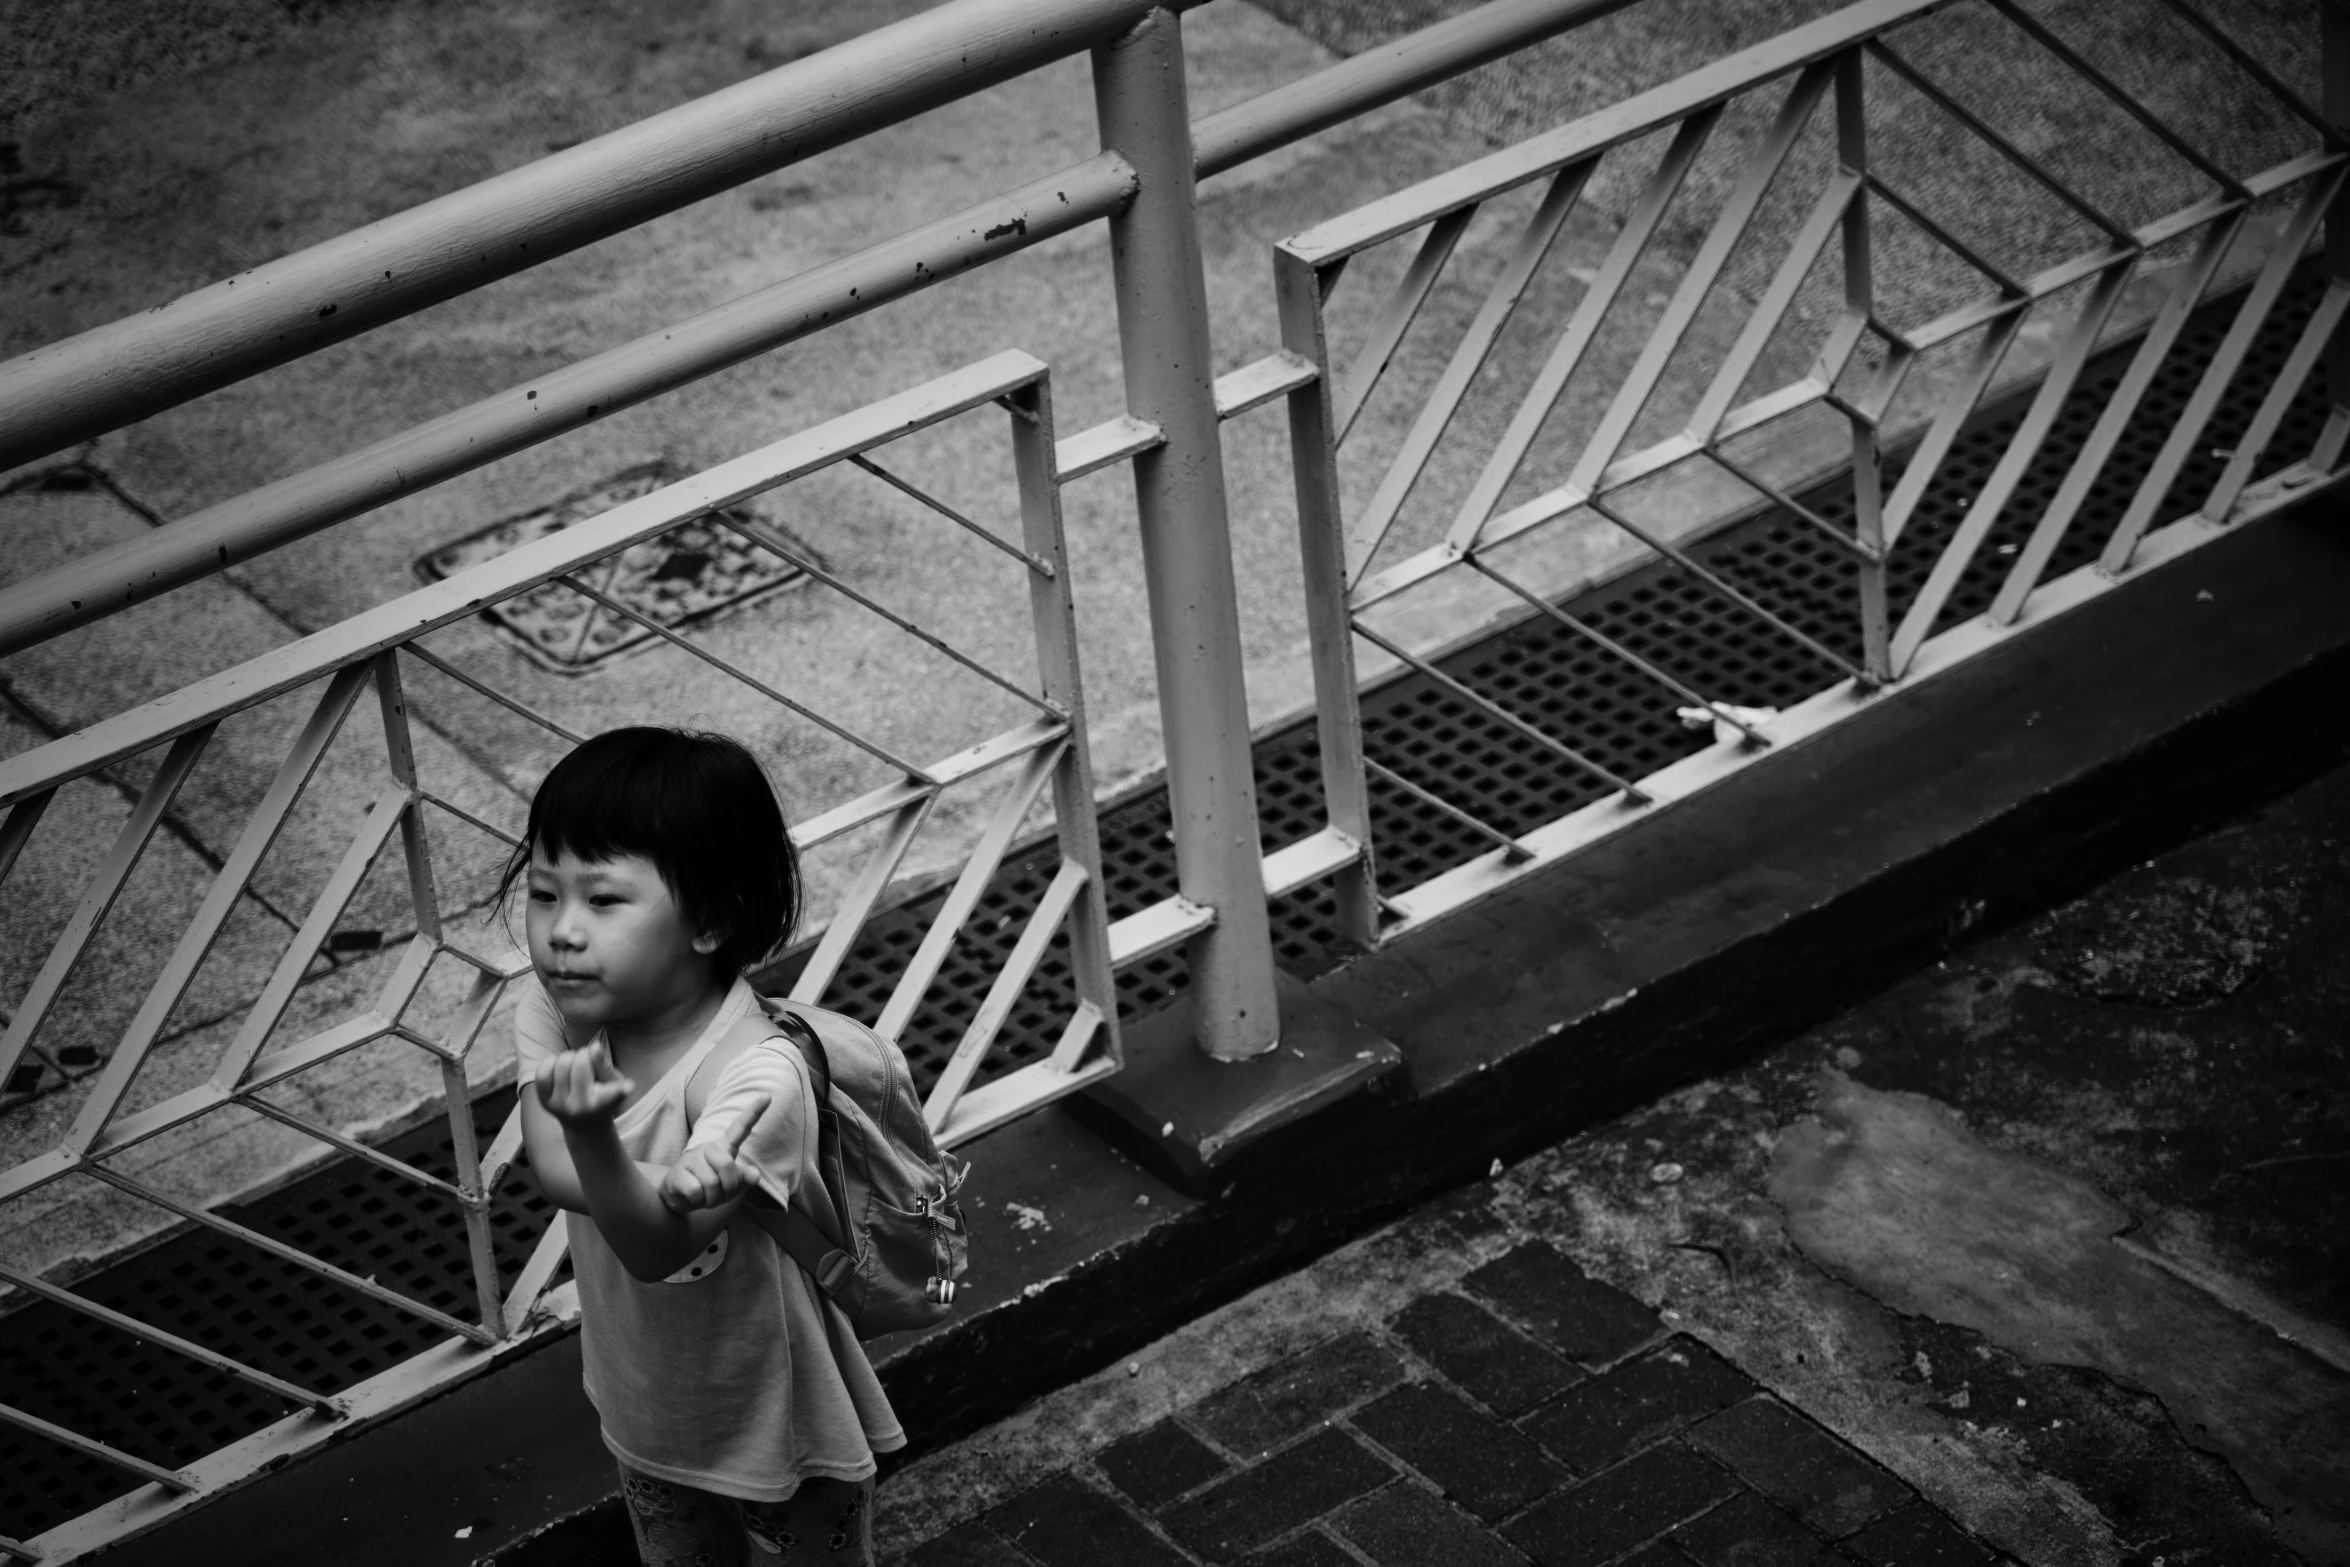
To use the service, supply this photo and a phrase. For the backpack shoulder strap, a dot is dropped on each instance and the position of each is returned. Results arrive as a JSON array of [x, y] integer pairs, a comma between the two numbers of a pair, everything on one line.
[[826, 1260], [797, 1029]]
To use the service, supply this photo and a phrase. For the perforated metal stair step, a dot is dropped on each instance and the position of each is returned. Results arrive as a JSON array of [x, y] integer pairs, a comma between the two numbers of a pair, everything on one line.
[[285, 1320]]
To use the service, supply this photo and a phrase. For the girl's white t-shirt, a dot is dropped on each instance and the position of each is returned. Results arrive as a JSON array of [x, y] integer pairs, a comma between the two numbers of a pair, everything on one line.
[[735, 1375]]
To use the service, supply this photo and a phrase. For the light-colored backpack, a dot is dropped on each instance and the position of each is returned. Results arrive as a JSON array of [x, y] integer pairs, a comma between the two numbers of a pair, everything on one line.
[[906, 1242]]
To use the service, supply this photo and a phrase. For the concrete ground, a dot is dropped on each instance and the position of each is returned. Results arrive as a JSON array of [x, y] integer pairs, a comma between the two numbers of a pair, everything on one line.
[[2038, 1256]]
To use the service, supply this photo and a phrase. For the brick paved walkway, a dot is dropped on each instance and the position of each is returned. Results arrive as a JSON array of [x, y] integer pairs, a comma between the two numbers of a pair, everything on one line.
[[1516, 1411]]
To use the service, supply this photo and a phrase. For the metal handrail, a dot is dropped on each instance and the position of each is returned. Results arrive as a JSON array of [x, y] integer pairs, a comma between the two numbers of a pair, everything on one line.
[[142, 364], [284, 309], [462, 594], [1604, 129], [104, 581], [111, 375], [1382, 74]]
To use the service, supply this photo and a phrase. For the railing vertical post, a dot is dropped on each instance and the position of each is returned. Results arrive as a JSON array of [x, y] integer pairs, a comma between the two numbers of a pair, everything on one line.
[[1321, 533], [1053, 613], [2334, 25], [1140, 97], [400, 755], [1868, 484]]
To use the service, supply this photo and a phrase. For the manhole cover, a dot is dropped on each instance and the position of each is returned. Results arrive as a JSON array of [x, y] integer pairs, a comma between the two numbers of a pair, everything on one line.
[[690, 573]]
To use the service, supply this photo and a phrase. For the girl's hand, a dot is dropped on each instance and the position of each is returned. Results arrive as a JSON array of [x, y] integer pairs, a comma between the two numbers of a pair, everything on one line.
[[712, 1174], [581, 1088]]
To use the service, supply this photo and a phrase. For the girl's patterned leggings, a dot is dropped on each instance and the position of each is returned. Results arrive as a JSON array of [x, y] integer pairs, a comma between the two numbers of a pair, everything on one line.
[[679, 1526]]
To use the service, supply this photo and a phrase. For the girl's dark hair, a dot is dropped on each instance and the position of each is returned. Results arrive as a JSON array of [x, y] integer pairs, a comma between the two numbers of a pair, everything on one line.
[[700, 808]]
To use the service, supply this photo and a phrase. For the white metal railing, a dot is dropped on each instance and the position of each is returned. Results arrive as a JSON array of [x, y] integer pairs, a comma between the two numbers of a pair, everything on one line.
[[1388, 507], [260, 1070], [1531, 478]]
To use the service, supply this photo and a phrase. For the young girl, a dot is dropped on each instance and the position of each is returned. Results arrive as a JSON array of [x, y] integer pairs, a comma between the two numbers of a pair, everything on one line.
[[734, 1395]]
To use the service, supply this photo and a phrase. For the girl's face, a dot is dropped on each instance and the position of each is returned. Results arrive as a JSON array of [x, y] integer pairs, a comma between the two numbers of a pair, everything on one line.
[[610, 943]]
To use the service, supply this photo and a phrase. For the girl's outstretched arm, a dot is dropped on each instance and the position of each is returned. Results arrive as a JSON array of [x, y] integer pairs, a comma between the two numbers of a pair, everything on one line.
[[540, 1036], [550, 1161], [763, 1105], [550, 1156], [582, 1091]]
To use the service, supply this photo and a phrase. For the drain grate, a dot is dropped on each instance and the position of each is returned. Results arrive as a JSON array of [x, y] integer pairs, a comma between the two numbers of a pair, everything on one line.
[[271, 1315], [282, 1319], [691, 573]]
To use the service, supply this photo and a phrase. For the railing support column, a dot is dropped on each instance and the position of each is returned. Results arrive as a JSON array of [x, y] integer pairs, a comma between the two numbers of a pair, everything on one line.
[[2334, 25], [1140, 96]]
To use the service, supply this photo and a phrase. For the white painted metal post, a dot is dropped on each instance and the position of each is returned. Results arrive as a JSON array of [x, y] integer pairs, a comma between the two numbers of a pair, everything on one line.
[[1868, 481], [2334, 45], [1321, 533], [1140, 96], [1054, 614]]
